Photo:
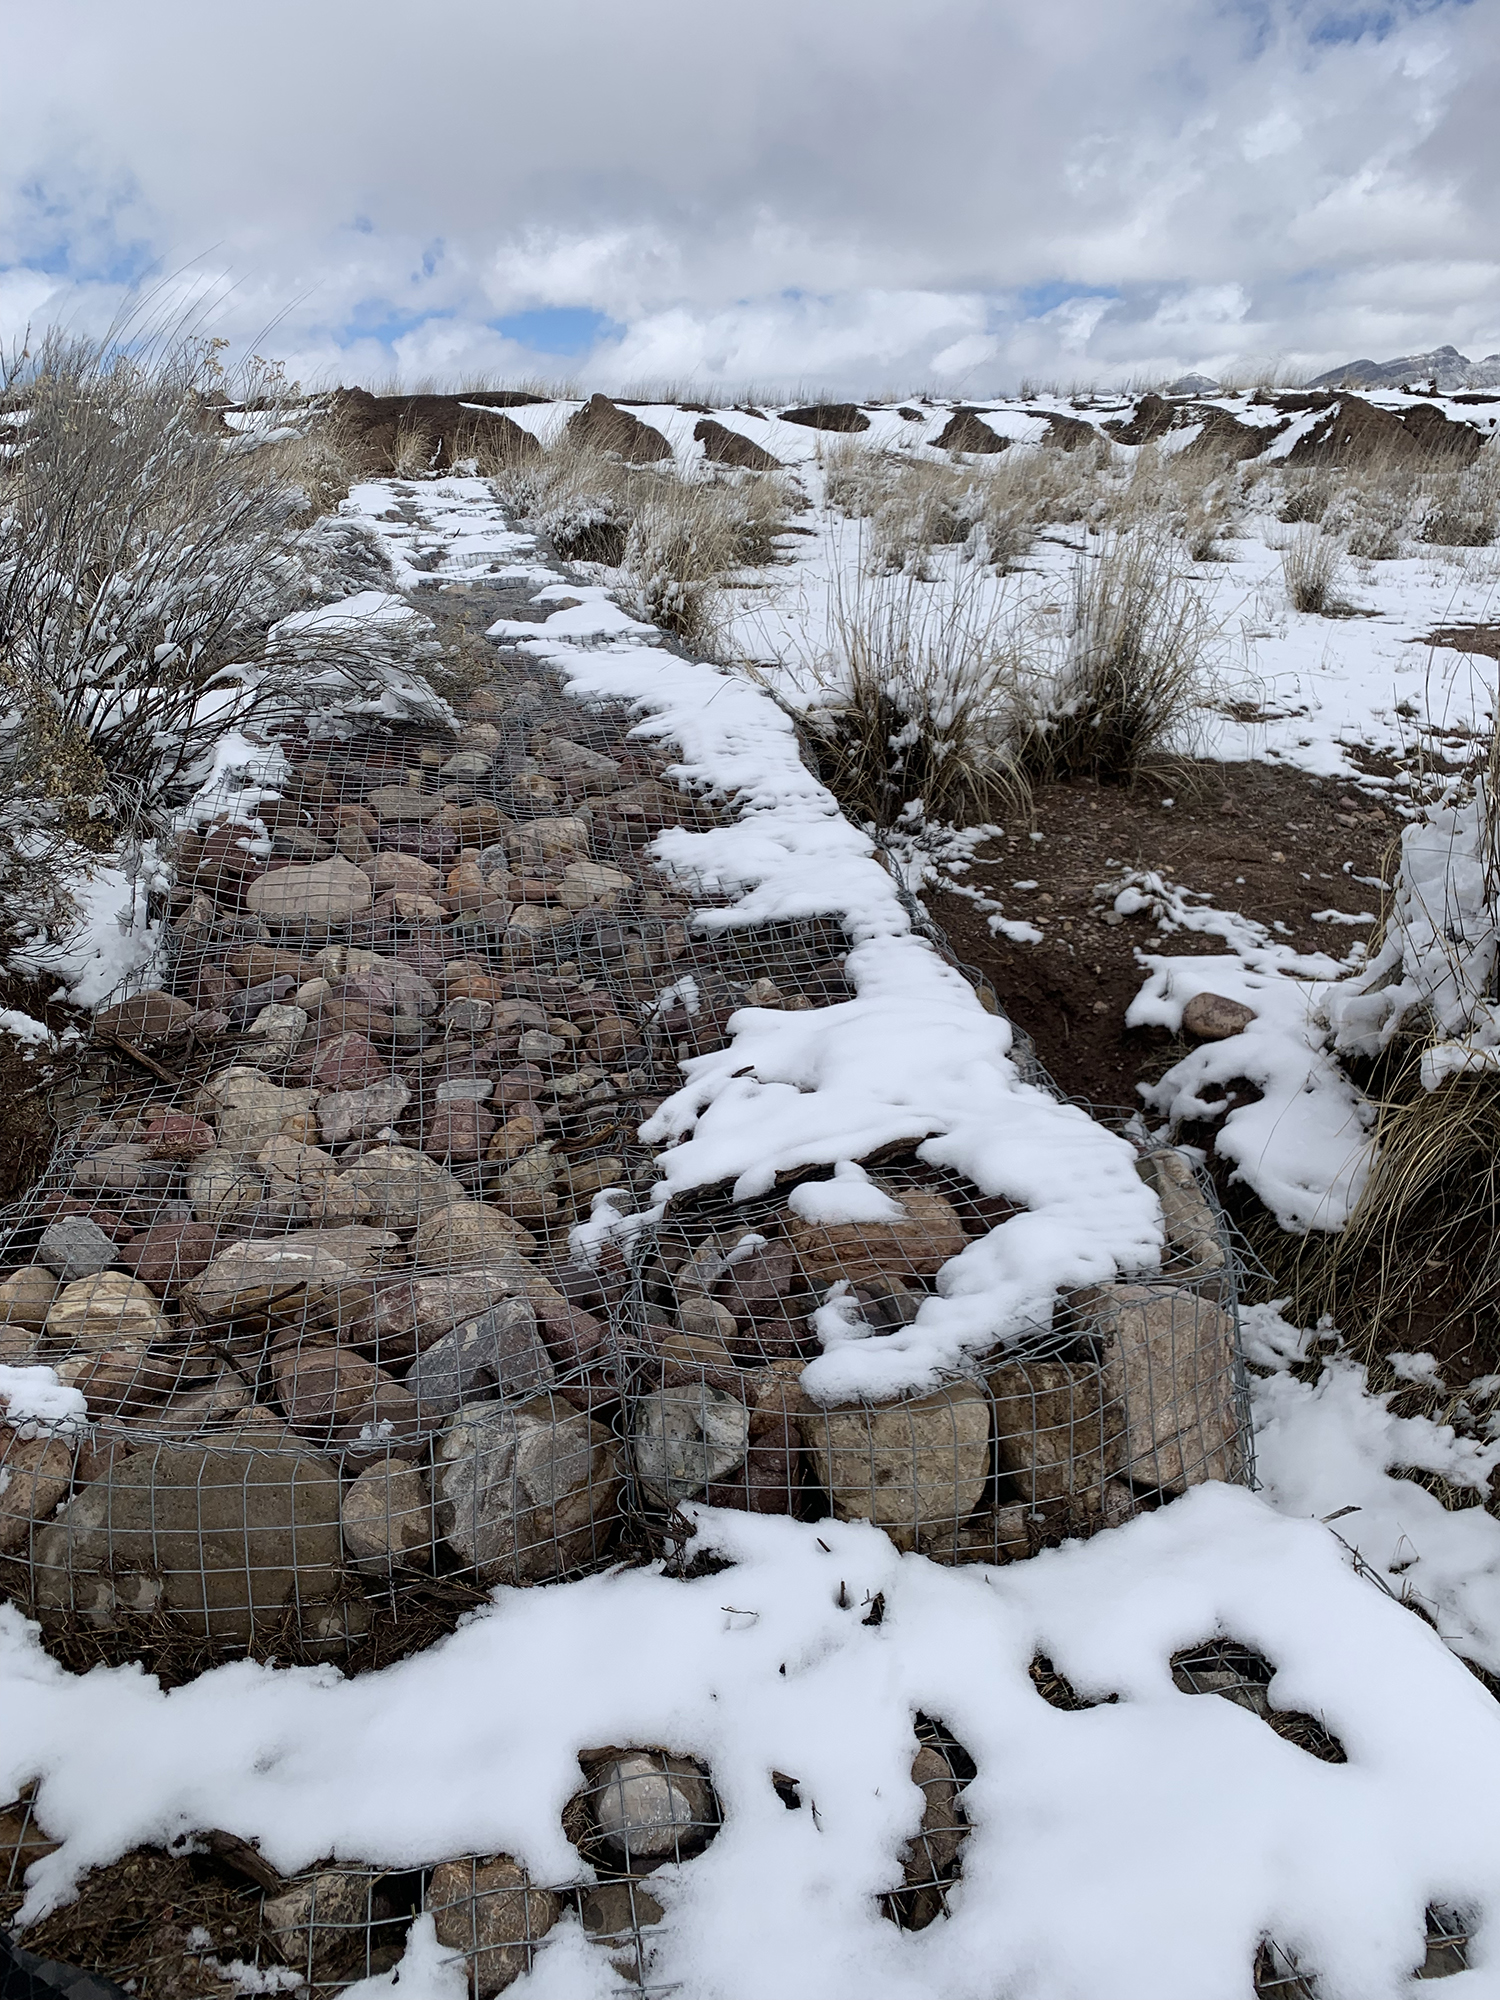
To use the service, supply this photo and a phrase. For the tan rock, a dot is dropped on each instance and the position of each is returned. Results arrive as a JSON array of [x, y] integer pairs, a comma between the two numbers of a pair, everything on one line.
[[104, 1310], [1210, 1017], [35, 1473], [272, 1282], [592, 885], [26, 1297], [309, 1925], [318, 897], [490, 1910], [1194, 1253], [1054, 1434], [246, 1108], [540, 844], [1169, 1364], [922, 1243], [467, 1231], [388, 1523], [393, 1185], [908, 1467], [403, 802], [518, 1134], [221, 1186]]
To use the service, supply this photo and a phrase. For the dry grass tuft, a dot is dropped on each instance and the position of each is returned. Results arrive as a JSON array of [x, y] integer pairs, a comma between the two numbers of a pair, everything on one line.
[[1310, 567], [910, 705], [1137, 661]]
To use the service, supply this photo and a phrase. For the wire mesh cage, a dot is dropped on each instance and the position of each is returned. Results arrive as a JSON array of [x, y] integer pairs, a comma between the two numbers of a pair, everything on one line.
[[341, 1373]]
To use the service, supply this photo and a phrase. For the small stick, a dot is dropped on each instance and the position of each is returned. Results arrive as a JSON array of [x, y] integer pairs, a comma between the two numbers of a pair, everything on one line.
[[139, 1056]]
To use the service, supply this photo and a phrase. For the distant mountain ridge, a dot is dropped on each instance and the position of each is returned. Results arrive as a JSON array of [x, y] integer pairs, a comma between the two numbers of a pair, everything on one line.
[[1445, 366]]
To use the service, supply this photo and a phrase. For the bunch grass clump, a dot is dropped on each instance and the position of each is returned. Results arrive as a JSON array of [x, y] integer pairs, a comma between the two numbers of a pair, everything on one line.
[[1310, 568], [909, 706], [1137, 661]]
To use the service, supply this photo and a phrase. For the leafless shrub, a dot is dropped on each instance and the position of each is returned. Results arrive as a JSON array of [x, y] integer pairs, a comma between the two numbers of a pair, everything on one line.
[[144, 555], [1137, 661], [1310, 568], [909, 705]]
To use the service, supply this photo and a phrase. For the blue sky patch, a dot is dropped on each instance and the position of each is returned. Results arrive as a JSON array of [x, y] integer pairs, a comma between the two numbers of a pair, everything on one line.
[[566, 330]]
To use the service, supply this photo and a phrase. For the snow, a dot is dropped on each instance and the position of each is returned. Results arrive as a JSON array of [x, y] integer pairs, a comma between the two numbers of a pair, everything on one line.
[[35, 1401], [113, 939], [851, 1196], [14, 1022], [1138, 1848], [1303, 1145]]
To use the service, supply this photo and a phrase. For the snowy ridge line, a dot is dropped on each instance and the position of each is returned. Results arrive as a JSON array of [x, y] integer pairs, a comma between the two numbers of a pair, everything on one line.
[[914, 1056]]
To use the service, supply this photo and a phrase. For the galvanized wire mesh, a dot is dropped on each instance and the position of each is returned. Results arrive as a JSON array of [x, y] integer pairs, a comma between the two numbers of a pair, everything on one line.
[[311, 1275]]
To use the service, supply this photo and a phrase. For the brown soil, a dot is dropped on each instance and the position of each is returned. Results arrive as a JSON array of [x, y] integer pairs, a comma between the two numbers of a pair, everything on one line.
[[1466, 639], [1269, 843]]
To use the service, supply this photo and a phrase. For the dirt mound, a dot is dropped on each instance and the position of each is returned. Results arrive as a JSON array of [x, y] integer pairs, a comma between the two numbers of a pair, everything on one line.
[[1067, 433], [604, 426], [447, 425], [722, 446], [1224, 436], [967, 431], [828, 417], [1353, 432], [1154, 416]]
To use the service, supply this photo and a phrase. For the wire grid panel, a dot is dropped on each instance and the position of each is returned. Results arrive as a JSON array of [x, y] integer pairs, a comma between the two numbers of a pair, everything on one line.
[[1128, 1395]]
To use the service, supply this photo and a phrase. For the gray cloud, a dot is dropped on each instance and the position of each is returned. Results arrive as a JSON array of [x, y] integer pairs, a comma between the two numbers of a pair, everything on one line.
[[876, 194]]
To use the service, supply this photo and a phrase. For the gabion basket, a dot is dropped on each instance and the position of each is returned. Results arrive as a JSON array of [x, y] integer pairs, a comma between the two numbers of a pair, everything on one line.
[[311, 1278]]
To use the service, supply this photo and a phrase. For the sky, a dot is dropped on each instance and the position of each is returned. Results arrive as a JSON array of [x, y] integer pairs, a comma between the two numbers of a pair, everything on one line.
[[873, 196]]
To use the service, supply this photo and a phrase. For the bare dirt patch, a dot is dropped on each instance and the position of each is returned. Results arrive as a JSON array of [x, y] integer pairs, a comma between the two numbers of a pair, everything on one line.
[[1268, 842]]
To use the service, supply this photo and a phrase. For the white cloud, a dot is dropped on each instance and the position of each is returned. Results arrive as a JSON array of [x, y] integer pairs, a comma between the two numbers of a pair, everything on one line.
[[865, 193]]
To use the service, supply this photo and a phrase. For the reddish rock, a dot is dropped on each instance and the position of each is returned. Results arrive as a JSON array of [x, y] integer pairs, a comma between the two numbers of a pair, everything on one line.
[[178, 1136], [170, 1254], [226, 867], [458, 1132], [349, 1062], [340, 1401]]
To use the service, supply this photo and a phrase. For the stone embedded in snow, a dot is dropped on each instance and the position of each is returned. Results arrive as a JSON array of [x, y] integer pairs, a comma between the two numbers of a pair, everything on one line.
[[35, 1473], [403, 802], [603, 426], [74, 1247], [650, 1807], [491, 1910], [920, 1239], [966, 431], [722, 446], [387, 1519], [1169, 1363], [912, 1468], [525, 1493], [310, 1924], [618, 1909], [499, 1352], [1210, 1017], [323, 896], [359, 1114], [220, 1542], [97, 1312], [1055, 1434], [685, 1437], [246, 1108], [1194, 1251], [145, 1017]]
